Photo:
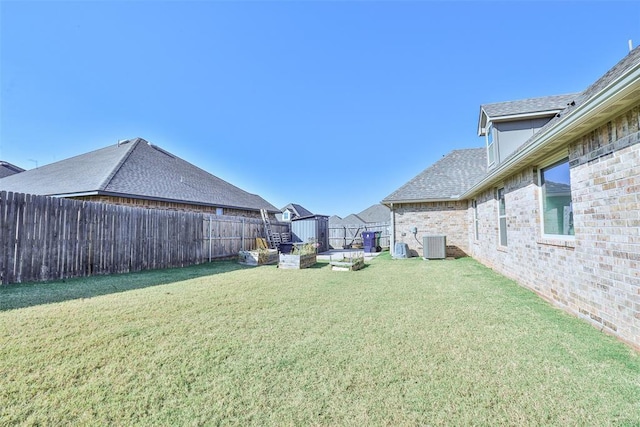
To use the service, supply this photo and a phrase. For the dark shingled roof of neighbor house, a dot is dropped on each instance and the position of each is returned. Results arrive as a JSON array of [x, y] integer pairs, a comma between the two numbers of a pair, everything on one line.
[[7, 169], [297, 209], [446, 179], [137, 169], [375, 213], [352, 219]]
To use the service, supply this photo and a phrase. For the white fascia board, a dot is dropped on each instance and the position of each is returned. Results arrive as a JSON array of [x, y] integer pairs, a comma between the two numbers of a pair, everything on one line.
[[66, 195], [572, 120], [482, 125]]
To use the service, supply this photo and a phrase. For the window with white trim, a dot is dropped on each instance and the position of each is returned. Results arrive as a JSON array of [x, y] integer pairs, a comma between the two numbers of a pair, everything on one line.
[[491, 147], [502, 217], [474, 205], [557, 208], [286, 216]]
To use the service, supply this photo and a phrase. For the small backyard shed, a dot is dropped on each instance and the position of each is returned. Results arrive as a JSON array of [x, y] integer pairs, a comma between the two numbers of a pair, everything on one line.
[[311, 228]]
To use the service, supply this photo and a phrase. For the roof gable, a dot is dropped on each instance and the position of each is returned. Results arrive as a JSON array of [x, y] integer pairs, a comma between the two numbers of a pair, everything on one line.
[[84, 173], [375, 213], [352, 219], [335, 219], [135, 169], [7, 169], [446, 179], [297, 210]]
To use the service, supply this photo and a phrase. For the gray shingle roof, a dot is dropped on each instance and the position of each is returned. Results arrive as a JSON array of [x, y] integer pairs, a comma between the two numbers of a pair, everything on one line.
[[448, 178], [334, 221], [352, 219], [134, 169], [298, 210], [375, 213], [80, 174], [7, 169], [614, 73], [528, 106]]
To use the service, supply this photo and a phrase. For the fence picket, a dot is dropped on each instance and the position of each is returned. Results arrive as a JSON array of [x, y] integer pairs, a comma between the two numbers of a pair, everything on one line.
[[8, 247]]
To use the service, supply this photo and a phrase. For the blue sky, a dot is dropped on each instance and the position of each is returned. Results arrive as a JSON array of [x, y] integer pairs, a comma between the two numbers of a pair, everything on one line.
[[329, 104]]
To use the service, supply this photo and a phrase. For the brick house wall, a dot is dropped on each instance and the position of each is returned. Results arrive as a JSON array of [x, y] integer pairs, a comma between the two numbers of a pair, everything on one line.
[[596, 275], [439, 218]]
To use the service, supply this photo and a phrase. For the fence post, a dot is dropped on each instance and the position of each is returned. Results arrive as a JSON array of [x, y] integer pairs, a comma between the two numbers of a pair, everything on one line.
[[210, 240], [344, 234]]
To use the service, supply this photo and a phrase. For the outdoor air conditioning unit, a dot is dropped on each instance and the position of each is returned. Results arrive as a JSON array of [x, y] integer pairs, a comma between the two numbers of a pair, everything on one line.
[[435, 247]]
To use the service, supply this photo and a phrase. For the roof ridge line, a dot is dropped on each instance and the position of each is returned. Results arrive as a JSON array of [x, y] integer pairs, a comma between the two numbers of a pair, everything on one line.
[[117, 168]]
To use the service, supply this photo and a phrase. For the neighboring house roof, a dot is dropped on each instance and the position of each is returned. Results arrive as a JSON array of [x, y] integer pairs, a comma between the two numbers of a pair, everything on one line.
[[7, 169], [335, 220], [375, 213], [352, 219], [557, 188], [136, 169], [446, 179], [297, 210], [618, 89]]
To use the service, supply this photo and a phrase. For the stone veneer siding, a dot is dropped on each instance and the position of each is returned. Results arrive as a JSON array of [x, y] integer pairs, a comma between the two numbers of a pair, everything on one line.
[[173, 206], [595, 275], [433, 218]]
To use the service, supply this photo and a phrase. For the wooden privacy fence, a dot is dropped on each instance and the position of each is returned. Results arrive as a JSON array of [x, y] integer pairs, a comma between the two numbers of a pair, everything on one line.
[[343, 236], [225, 236], [47, 238]]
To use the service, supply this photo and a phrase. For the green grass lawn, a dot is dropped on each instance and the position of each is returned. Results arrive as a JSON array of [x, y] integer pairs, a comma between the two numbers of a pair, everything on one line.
[[401, 342]]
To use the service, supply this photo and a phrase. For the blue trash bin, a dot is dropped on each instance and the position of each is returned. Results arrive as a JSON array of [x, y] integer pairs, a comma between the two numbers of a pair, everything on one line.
[[369, 241]]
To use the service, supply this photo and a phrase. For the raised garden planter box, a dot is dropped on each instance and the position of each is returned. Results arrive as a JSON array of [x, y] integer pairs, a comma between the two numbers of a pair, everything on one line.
[[292, 261], [347, 264], [261, 257]]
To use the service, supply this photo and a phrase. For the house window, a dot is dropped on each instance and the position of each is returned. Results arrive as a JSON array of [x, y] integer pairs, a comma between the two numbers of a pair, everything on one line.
[[219, 211], [502, 217], [491, 147], [557, 209], [474, 205], [286, 216]]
